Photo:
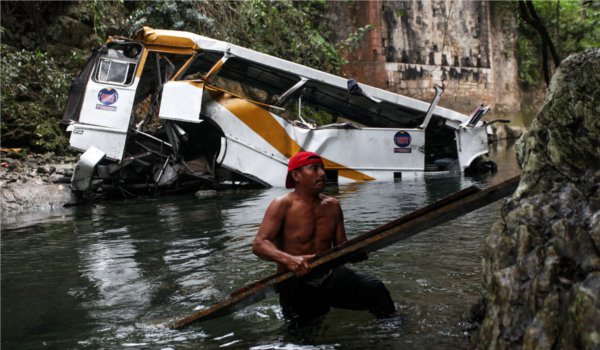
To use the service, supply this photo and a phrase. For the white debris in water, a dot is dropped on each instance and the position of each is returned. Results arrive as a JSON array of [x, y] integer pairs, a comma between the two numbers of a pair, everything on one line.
[[423, 282], [224, 336], [206, 193], [230, 343]]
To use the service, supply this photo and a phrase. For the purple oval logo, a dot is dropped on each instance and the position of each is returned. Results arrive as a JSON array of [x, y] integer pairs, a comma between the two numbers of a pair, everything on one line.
[[402, 139], [108, 96]]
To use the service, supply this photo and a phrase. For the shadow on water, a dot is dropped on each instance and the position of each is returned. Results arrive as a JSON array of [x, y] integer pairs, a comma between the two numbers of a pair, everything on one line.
[[114, 274]]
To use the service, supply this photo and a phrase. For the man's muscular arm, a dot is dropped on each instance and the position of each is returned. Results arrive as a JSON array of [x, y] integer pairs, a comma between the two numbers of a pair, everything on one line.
[[264, 244]]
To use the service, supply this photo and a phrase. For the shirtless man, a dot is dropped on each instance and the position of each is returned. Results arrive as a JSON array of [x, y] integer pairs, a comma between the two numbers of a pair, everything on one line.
[[301, 224]]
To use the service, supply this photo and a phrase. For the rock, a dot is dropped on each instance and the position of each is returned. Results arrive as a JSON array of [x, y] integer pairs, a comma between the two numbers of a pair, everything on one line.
[[42, 170], [35, 183], [541, 261], [33, 196], [14, 154], [62, 50], [28, 43], [69, 31], [59, 179]]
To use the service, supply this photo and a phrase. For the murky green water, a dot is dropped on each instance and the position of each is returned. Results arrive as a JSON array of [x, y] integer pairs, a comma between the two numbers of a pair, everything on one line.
[[113, 275]]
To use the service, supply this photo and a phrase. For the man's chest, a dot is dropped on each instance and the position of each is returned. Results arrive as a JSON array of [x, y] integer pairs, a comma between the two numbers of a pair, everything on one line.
[[306, 225]]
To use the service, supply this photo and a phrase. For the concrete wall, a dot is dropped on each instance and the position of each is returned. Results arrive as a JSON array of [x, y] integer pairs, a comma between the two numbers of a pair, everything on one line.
[[465, 46]]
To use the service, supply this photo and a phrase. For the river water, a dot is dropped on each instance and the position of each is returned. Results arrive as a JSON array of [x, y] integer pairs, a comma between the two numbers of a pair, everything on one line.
[[114, 274]]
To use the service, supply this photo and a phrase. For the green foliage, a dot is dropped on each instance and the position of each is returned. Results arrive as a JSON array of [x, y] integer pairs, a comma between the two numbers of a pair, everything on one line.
[[400, 12], [34, 92], [34, 84], [176, 15], [572, 25], [353, 40], [530, 73], [309, 113], [106, 17], [294, 30], [319, 117]]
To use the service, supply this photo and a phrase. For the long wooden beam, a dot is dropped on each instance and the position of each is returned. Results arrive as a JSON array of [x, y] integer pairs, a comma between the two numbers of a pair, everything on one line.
[[448, 208]]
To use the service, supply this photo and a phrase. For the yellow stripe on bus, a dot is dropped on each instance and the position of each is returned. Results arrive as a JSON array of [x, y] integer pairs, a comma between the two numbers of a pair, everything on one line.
[[263, 123], [138, 74], [267, 127]]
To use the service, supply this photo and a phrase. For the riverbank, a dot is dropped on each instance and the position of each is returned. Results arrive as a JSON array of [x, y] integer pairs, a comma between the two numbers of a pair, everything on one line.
[[34, 182]]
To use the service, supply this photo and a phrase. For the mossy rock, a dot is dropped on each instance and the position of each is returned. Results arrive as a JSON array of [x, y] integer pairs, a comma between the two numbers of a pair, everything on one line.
[[542, 260]]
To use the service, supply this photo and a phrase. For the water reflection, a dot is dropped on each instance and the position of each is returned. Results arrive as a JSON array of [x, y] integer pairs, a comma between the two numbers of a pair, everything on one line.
[[112, 275]]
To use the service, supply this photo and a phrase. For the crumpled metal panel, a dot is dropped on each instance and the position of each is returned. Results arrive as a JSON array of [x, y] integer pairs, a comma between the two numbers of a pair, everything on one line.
[[84, 170]]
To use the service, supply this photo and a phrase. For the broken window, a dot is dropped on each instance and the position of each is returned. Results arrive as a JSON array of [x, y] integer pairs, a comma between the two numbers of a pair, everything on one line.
[[203, 62], [118, 63], [158, 69], [242, 77], [115, 72]]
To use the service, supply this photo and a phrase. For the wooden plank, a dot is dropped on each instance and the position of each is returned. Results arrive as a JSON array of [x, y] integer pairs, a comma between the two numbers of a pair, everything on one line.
[[441, 211]]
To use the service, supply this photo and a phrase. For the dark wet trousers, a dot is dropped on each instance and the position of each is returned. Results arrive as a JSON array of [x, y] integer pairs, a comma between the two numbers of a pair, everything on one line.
[[305, 299]]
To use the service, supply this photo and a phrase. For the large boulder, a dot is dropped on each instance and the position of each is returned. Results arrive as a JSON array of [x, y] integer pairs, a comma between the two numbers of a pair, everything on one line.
[[34, 196], [541, 260], [69, 31], [34, 182]]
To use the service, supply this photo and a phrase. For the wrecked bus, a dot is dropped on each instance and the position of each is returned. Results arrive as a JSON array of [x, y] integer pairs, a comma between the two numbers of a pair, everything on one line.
[[169, 111]]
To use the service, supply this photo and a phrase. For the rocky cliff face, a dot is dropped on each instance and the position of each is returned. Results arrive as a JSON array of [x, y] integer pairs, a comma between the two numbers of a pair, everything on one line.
[[542, 259]]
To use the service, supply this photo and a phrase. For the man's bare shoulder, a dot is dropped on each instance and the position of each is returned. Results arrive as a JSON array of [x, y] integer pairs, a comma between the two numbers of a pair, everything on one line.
[[285, 198], [282, 202], [329, 201]]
